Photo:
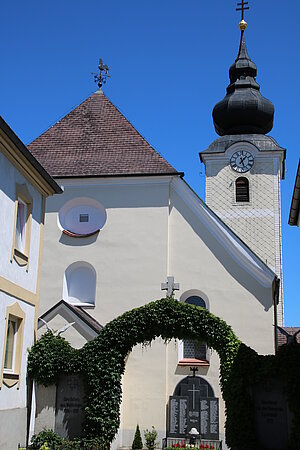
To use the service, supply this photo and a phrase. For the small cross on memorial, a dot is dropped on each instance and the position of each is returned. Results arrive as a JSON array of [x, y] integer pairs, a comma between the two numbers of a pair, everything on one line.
[[194, 390], [170, 287]]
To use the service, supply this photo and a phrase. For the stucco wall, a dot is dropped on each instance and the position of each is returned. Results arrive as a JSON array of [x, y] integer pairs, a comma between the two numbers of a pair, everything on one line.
[[151, 232], [9, 177], [13, 397], [13, 428]]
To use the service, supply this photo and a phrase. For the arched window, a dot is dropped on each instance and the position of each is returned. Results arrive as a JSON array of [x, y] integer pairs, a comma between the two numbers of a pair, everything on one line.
[[242, 189], [80, 284], [194, 349]]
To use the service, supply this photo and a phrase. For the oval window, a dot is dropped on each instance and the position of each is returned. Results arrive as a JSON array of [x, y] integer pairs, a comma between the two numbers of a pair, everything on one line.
[[81, 216]]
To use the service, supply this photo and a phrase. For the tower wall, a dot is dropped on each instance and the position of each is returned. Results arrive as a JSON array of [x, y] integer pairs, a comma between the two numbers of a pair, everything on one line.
[[257, 222]]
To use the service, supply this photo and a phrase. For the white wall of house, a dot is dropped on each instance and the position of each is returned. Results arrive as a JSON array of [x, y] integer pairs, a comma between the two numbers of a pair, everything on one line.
[[18, 285], [9, 178]]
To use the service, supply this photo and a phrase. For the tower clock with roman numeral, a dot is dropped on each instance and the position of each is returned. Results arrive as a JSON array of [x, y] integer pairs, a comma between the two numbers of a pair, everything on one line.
[[242, 161]]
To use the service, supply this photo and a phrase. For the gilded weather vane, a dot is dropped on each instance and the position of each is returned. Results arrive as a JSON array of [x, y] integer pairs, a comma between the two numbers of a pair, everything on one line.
[[242, 8], [101, 78]]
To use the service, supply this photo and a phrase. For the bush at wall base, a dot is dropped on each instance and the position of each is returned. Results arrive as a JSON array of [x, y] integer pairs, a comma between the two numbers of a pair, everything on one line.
[[137, 441], [150, 438]]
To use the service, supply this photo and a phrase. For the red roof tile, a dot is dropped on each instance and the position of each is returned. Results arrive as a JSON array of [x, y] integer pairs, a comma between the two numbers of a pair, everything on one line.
[[95, 139]]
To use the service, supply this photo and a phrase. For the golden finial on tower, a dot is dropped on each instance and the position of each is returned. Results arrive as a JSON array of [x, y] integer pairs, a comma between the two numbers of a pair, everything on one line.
[[242, 7], [243, 25]]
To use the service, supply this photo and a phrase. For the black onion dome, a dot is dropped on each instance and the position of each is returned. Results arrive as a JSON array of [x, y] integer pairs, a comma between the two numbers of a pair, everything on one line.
[[243, 110]]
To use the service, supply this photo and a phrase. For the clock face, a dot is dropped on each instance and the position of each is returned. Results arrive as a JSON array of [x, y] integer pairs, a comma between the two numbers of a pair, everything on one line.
[[241, 161]]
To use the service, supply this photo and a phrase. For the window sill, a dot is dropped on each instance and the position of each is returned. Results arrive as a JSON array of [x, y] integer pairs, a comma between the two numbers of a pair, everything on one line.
[[20, 257], [76, 235], [10, 379], [192, 362], [83, 305]]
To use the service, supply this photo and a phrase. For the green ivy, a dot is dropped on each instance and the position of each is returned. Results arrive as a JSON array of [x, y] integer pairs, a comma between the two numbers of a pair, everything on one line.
[[50, 357], [102, 363], [248, 369]]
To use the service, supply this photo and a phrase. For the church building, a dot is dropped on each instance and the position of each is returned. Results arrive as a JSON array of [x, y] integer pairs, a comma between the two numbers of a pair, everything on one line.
[[128, 230]]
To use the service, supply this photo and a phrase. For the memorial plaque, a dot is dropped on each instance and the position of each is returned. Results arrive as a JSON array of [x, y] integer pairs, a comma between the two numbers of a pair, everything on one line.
[[69, 414], [193, 406], [271, 414], [178, 420], [209, 419]]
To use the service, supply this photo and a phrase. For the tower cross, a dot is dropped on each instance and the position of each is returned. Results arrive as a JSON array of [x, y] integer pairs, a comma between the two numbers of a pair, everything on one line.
[[242, 8]]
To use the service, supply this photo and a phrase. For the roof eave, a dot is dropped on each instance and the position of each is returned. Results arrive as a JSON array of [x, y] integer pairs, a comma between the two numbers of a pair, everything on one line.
[[295, 205], [54, 187], [124, 175]]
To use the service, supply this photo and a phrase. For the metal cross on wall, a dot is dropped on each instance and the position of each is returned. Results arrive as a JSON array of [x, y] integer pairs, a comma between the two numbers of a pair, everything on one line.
[[242, 8], [194, 394], [170, 287]]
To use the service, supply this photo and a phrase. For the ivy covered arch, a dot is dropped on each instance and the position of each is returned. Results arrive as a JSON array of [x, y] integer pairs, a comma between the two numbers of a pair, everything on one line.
[[102, 361]]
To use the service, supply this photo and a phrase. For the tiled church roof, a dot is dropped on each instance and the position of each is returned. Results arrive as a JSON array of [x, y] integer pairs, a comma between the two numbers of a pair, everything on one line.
[[95, 139]]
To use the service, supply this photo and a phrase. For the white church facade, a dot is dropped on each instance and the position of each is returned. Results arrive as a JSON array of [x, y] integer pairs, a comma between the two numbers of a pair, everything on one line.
[[127, 226]]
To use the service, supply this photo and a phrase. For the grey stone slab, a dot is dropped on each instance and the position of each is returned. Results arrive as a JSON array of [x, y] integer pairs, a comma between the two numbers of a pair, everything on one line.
[[70, 404], [271, 415]]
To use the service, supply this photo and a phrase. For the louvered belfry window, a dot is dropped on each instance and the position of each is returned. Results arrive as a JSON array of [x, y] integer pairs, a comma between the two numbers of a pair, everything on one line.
[[242, 189]]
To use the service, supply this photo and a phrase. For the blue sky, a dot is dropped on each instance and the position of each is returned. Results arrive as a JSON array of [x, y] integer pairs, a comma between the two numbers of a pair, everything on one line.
[[169, 65]]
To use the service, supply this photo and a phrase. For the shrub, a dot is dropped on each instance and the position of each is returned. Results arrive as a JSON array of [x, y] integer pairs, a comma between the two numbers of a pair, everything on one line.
[[48, 437], [137, 441], [150, 438]]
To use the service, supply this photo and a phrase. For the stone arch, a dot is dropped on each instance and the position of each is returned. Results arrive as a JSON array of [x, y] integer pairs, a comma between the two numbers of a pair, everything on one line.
[[104, 357]]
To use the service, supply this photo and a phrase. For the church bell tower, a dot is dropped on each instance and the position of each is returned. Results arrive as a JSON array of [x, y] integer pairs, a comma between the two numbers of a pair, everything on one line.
[[244, 165]]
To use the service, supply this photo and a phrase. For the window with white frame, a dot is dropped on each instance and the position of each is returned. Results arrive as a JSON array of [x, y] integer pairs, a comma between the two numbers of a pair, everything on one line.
[[10, 347], [22, 226], [13, 350], [20, 237]]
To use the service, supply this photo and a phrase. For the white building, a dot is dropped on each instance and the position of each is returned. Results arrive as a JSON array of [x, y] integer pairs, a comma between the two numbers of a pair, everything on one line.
[[127, 220], [24, 187]]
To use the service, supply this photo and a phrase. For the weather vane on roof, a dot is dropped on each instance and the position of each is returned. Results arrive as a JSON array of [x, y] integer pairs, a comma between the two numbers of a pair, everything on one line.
[[242, 8], [103, 75]]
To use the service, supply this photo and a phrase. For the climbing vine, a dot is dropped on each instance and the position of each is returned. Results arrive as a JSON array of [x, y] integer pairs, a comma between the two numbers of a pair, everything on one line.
[[102, 363]]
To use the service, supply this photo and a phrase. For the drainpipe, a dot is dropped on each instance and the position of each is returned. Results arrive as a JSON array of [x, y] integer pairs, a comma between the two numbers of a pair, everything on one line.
[[276, 286]]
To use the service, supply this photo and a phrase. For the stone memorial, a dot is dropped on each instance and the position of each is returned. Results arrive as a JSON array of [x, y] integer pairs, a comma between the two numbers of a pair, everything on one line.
[[271, 414], [69, 412], [178, 407], [209, 428], [194, 407]]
